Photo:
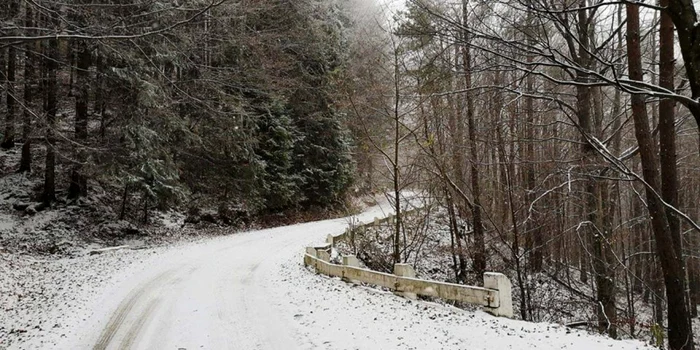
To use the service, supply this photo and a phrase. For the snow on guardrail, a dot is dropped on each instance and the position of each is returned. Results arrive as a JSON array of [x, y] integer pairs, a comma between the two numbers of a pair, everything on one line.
[[495, 296]]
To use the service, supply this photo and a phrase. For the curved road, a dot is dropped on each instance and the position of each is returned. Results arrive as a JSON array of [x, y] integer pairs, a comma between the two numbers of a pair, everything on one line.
[[216, 295], [248, 291]]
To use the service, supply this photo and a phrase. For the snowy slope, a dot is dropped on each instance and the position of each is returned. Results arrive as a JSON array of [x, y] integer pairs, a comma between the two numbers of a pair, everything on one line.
[[250, 291]]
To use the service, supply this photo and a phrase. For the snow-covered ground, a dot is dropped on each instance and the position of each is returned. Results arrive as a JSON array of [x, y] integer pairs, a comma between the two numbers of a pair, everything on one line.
[[42, 301], [244, 291]]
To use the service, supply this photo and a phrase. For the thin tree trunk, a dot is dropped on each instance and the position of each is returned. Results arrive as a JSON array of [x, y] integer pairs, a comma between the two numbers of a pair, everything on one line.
[[396, 169], [51, 63], [3, 76], [8, 140], [667, 129], [583, 113], [595, 230], [479, 243], [680, 332], [533, 231], [78, 183], [99, 107], [520, 273], [25, 162], [694, 277], [453, 236], [125, 196], [455, 128], [145, 208]]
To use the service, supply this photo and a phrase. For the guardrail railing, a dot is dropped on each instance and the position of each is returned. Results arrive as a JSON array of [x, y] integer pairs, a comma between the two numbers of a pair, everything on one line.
[[494, 297]]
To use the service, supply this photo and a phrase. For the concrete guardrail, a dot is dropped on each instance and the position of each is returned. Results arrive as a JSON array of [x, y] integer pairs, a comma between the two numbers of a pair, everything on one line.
[[495, 296]]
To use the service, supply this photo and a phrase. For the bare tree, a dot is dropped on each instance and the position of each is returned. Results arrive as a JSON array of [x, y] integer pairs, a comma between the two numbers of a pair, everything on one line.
[[680, 330]]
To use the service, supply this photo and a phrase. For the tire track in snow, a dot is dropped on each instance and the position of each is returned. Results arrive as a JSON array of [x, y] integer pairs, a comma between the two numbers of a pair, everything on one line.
[[216, 295], [139, 295]]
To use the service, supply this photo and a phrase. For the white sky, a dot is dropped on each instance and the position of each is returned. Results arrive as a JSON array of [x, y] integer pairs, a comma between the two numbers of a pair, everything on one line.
[[372, 11]]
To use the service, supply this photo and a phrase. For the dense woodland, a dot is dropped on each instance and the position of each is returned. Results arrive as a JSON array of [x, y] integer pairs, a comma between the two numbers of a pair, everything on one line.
[[562, 137], [171, 102]]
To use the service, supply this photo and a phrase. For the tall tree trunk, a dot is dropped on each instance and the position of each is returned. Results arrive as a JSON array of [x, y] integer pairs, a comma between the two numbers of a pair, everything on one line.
[[78, 182], [51, 64], [596, 232], [3, 75], [25, 162], [455, 126], [685, 20], [515, 249], [667, 128], [604, 258], [396, 168], [479, 243], [533, 230], [680, 332], [8, 140]]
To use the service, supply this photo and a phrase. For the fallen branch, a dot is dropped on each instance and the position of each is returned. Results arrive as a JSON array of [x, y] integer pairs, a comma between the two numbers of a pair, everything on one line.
[[578, 324], [108, 249]]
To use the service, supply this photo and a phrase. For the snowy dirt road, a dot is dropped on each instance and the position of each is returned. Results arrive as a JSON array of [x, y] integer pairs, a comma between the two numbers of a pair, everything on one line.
[[216, 295], [250, 291]]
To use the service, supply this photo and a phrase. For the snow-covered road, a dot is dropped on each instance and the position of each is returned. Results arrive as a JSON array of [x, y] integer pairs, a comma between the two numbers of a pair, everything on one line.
[[250, 291], [221, 294]]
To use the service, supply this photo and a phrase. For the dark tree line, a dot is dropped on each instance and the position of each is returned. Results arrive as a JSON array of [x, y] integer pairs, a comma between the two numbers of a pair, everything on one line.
[[165, 102]]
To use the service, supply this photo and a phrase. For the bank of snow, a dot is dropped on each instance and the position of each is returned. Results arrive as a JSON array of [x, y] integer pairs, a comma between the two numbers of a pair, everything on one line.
[[332, 314], [41, 301]]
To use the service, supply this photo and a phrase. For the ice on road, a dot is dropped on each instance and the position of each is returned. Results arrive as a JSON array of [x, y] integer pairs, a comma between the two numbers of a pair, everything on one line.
[[250, 291]]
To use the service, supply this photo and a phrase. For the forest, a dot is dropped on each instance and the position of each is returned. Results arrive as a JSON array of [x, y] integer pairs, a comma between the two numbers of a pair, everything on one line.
[[559, 138], [169, 102]]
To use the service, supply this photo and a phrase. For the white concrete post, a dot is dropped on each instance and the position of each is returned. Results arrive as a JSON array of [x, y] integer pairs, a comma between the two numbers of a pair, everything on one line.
[[325, 246], [376, 221], [405, 270], [324, 255], [351, 260], [311, 251], [330, 239], [501, 283]]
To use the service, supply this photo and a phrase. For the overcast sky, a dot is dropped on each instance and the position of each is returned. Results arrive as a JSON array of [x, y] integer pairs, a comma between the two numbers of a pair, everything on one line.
[[370, 13]]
